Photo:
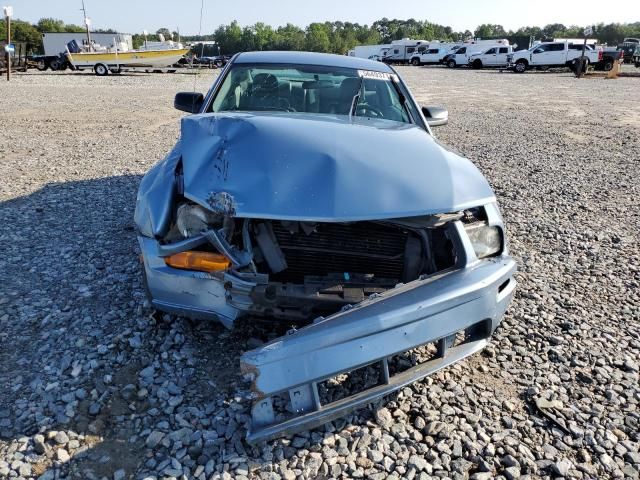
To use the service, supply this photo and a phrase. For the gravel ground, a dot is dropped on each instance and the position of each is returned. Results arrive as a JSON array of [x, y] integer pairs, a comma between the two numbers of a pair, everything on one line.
[[96, 385]]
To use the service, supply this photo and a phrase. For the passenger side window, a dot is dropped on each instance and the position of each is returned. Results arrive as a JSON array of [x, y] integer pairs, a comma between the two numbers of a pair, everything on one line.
[[556, 47], [433, 51], [491, 51], [504, 50], [462, 50]]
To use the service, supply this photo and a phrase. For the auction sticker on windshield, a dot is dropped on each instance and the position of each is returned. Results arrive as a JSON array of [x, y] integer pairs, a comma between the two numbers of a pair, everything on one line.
[[377, 75]]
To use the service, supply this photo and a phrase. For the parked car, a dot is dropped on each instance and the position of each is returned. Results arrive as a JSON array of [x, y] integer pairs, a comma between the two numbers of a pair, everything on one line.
[[553, 54], [460, 56], [431, 56], [628, 47], [636, 57], [610, 55], [309, 188], [498, 56]]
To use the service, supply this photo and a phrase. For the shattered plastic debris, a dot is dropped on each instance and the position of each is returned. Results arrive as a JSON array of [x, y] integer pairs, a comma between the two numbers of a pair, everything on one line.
[[222, 202]]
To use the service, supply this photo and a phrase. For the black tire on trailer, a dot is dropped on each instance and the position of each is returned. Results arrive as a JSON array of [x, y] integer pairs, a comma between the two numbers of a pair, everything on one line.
[[415, 62], [100, 69], [608, 64], [42, 65], [451, 64], [477, 64], [521, 66], [55, 65]]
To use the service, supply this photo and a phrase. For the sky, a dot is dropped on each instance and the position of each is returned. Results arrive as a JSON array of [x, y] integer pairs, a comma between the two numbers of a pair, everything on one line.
[[131, 16]]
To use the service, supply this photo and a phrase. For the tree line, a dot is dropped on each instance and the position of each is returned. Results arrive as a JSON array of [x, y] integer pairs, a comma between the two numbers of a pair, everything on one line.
[[332, 37]]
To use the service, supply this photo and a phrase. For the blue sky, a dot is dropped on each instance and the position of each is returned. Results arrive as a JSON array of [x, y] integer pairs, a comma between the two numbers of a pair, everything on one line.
[[136, 15]]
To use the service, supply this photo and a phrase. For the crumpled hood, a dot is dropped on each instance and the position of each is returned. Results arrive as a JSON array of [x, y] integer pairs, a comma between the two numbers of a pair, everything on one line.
[[322, 168]]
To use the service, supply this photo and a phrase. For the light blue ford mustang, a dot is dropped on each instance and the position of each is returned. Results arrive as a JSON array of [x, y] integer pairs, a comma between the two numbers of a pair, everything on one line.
[[308, 188]]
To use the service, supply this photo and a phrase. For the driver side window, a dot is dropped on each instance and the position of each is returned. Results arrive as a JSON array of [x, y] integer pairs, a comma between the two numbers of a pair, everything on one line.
[[491, 51]]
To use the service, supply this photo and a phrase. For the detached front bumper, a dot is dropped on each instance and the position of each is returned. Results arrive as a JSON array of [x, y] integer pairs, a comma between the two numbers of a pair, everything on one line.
[[433, 310]]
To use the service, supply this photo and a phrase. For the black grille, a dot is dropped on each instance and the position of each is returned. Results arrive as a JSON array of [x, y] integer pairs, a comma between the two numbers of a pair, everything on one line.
[[354, 248]]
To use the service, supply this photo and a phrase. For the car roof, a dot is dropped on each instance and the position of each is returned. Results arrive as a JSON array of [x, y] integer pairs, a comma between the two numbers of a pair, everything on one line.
[[312, 58]]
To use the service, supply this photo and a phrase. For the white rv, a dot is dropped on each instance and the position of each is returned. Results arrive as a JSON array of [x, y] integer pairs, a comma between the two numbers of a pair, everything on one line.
[[401, 51]]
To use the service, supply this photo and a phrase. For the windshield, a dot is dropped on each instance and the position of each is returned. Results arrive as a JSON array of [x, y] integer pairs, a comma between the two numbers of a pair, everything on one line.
[[312, 89]]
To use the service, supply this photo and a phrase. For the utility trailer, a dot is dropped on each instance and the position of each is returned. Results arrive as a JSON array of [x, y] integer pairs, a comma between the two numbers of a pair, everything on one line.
[[19, 59]]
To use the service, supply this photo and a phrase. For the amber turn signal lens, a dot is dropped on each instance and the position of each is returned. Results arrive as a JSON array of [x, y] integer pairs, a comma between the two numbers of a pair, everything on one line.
[[200, 261]]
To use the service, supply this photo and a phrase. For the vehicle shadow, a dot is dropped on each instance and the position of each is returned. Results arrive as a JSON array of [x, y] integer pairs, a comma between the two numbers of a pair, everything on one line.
[[77, 340]]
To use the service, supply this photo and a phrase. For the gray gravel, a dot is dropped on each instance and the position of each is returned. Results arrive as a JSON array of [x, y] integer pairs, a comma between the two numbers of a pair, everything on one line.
[[96, 385]]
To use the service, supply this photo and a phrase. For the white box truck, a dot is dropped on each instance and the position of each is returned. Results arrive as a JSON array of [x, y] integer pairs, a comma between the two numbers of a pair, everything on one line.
[[372, 52]]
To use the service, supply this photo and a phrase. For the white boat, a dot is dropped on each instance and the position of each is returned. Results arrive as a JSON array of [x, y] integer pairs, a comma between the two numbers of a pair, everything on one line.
[[153, 55]]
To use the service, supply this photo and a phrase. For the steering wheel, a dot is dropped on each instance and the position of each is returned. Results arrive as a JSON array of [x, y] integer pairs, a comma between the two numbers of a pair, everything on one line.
[[366, 110]]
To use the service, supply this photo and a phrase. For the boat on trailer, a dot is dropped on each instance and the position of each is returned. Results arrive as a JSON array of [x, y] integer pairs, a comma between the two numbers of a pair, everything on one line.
[[152, 55]]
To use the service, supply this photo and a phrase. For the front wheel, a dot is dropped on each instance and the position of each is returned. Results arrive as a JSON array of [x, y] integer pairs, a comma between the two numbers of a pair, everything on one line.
[[415, 62], [101, 70], [477, 64], [521, 67], [451, 64]]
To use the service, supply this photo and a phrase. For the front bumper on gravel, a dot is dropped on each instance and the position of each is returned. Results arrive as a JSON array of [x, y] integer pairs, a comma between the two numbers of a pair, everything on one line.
[[471, 300], [455, 311]]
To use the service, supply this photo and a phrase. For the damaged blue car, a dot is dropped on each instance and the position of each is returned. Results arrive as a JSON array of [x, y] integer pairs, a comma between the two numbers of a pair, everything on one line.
[[309, 189]]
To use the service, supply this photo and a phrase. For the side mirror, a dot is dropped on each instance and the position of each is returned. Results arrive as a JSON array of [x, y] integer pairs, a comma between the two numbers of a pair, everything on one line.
[[189, 102], [435, 116]]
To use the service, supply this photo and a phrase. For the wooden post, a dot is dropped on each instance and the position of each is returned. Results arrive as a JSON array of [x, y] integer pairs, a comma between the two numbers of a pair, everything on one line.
[[581, 62], [8, 21]]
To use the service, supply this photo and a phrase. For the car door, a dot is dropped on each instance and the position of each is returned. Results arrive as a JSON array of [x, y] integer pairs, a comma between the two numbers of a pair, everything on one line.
[[557, 54], [432, 55], [461, 56], [539, 55], [501, 56], [489, 57]]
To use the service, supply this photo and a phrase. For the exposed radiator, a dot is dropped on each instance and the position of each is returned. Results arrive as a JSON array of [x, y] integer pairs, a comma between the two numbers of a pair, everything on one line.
[[359, 247]]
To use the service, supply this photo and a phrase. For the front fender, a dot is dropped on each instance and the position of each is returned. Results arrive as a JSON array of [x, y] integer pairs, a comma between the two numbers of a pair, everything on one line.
[[156, 195]]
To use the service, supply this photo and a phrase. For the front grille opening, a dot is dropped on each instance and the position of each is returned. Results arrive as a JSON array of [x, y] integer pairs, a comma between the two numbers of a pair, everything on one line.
[[364, 248], [416, 356], [350, 383]]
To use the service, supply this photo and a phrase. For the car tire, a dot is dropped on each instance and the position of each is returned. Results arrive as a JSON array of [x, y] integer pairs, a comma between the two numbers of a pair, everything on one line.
[[477, 64], [451, 64], [55, 65], [521, 66], [415, 62], [41, 65], [100, 69], [608, 65]]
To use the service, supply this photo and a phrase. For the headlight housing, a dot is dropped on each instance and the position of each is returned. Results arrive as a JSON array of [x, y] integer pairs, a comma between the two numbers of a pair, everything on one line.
[[486, 239], [192, 219]]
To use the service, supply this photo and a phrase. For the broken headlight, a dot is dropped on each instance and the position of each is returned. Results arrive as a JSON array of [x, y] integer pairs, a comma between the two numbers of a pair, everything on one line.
[[193, 219], [486, 239]]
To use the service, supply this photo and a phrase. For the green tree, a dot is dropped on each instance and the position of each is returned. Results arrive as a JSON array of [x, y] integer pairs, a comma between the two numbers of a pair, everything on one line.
[[317, 38], [50, 25], [488, 30]]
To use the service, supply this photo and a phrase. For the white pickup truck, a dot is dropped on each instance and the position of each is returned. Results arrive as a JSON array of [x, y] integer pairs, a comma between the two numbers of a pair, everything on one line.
[[553, 54], [497, 56], [430, 56]]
